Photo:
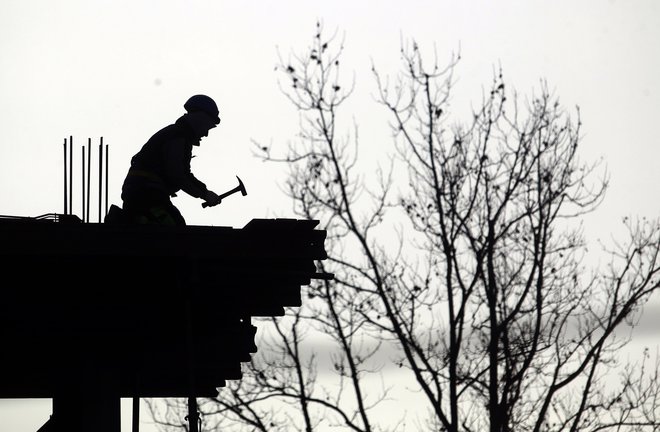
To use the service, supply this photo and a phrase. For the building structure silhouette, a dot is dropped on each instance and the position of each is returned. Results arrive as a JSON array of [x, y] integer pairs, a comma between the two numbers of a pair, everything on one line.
[[96, 312]]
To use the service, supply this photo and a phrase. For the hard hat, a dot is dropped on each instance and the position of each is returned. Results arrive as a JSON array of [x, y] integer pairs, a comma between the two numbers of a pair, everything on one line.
[[205, 104]]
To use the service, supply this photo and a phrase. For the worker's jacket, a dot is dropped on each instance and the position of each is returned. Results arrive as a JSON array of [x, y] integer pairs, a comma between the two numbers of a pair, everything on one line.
[[163, 164]]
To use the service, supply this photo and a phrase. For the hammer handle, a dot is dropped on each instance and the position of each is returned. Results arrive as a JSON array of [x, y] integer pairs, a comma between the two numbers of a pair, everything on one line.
[[226, 194], [221, 197]]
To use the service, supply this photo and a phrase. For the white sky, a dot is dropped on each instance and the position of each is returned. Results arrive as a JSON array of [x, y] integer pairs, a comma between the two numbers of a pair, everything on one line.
[[122, 70]]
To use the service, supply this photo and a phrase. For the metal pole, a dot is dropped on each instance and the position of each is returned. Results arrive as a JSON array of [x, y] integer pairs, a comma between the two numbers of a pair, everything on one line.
[[100, 176], [71, 174], [193, 416], [136, 415], [89, 173], [192, 280], [106, 179], [66, 204], [83, 183]]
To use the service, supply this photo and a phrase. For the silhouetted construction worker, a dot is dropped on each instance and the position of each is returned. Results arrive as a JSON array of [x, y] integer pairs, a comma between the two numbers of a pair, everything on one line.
[[162, 167]]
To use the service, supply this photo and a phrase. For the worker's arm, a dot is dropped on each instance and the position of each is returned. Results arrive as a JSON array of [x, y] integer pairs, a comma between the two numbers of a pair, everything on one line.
[[177, 163]]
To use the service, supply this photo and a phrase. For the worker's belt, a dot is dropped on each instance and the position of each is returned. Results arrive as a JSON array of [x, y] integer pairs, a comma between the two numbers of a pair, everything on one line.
[[146, 174]]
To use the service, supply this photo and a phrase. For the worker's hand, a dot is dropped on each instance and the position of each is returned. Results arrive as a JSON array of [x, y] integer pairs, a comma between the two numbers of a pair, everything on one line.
[[211, 199]]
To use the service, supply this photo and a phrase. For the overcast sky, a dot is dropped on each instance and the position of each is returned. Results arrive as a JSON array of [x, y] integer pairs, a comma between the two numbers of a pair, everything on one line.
[[123, 69]]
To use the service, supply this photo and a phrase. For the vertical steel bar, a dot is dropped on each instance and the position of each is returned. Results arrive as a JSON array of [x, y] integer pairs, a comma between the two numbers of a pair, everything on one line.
[[100, 176], [193, 416], [136, 412], [66, 204], [89, 174], [82, 183], [106, 179], [70, 174]]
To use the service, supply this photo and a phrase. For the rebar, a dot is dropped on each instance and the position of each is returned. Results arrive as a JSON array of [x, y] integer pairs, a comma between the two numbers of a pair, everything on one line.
[[82, 160], [89, 171], [66, 204], [106, 179], [70, 174], [100, 177]]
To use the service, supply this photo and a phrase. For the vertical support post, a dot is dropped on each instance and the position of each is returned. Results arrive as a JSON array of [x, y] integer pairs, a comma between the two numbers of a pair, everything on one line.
[[193, 416], [66, 203], [136, 415], [89, 172], [191, 297], [106, 179], [83, 183], [70, 174], [100, 176]]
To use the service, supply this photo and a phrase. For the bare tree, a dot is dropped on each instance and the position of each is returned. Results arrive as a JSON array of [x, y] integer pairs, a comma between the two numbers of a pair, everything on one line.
[[484, 294], [519, 329]]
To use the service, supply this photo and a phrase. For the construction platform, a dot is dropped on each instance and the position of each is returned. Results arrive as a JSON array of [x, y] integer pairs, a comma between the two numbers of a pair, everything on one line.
[[142, 311]]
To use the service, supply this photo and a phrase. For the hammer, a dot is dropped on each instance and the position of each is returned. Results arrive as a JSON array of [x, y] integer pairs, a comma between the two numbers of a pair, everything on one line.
[[240, 188]]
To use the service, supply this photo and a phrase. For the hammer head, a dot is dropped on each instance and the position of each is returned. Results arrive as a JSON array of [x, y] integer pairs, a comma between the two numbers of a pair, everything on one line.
[[241, 186]]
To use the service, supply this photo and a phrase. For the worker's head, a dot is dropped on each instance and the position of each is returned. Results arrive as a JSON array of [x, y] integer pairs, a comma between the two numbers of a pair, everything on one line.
[[203, 113]]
